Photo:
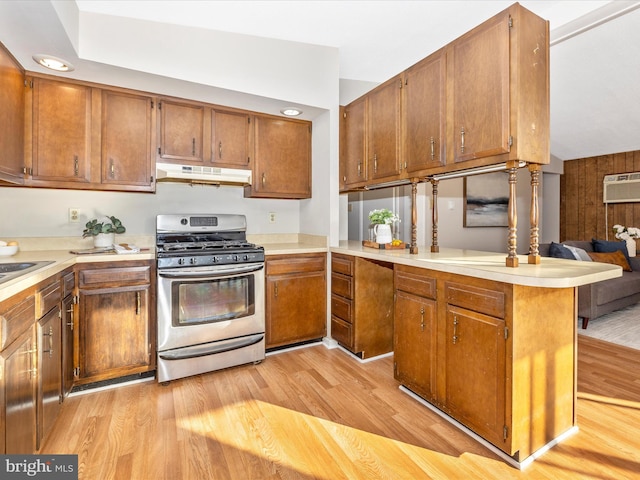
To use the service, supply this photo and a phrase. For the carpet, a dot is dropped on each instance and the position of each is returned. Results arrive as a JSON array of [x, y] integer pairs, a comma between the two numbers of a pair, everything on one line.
[[621, 327]]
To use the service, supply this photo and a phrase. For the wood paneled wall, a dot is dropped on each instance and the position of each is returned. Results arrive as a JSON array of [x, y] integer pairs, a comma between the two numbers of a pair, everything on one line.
[[583, 215]]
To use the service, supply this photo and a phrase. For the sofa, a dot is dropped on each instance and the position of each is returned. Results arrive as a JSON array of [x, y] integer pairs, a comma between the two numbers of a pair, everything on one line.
[[600, 298]]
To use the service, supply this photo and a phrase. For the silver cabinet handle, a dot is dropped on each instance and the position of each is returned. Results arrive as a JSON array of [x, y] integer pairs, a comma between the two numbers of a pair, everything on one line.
[[462, 140], [455, 329]]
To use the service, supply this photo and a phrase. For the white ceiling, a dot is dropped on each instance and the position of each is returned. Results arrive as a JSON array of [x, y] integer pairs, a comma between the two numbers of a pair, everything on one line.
[[595, 53]]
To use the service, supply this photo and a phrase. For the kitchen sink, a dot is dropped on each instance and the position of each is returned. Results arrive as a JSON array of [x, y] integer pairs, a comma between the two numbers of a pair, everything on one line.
[[9, 271]]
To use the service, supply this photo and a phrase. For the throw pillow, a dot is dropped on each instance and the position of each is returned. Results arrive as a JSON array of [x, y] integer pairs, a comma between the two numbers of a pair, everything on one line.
[[605, 246], [613, 258], [579, 253], [557, 250]]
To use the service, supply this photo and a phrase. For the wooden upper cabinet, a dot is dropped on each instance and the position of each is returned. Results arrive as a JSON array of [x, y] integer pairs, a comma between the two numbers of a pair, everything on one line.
[[230, 139], [128, 139], [481, 100], [423, 114], [383, 129], [480, 91], [282, 166], [499, 91], [354, 151], [61, 132], [182, 132], [11, 118]]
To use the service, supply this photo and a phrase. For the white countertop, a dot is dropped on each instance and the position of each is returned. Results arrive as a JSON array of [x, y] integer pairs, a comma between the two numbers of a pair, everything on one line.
[[61, 259], [551, 272]]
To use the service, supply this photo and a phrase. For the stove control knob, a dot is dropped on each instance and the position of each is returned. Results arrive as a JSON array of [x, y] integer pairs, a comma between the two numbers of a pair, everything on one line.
[[235, 258], [184, 221], [181, 261], [245, 258], [192, 260]]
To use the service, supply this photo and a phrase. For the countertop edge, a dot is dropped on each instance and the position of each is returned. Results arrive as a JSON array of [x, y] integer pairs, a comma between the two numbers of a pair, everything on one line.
[[550, 273], [61, 259]]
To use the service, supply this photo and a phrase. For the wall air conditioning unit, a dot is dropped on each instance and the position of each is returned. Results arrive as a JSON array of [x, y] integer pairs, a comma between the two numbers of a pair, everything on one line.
[[622, 188]]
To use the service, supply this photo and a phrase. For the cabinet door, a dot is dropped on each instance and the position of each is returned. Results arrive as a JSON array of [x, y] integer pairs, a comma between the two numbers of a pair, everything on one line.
[[475, 351], [19, 380], [181, 132], [423, 114], [61, 132], [68, 327], [480, 91], [296, 308], [114, 332], [230, 139], [354, 167], [415, 343], [127, 141], [383, 129], [282, 166], [50, 368], [11, 118]]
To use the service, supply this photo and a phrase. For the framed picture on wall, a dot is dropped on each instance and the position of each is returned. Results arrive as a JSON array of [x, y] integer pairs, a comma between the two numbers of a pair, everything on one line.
[[486, 200]]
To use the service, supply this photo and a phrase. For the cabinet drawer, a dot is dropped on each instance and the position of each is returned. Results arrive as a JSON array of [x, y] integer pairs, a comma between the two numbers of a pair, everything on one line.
[[342, 285], [415, 281], [295, 264], [341, 307], [342, 264], [47, 298], [68, 284], [114, 276], [342, 331], [482, 300], [16, 320]]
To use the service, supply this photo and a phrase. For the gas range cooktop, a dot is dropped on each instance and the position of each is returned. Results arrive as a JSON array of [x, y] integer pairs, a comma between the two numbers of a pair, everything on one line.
[[203, 240]]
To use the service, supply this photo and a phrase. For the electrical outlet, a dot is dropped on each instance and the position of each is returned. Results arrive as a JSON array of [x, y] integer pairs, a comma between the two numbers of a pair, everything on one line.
[[74, 215], [272, 217]]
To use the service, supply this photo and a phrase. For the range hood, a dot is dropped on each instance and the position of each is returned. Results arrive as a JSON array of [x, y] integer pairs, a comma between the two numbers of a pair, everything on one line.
[[196, 174]]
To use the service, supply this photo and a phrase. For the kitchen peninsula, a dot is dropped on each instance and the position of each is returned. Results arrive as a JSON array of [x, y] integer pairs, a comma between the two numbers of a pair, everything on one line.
[[491, 347]]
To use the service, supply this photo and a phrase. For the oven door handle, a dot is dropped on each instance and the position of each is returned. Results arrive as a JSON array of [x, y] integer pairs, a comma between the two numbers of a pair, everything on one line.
[[208, 272], [211, 348]]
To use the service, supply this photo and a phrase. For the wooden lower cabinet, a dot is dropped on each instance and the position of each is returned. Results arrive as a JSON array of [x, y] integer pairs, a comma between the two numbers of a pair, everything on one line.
[[498, 358], [18, 396], [69, 300], [115, 334], [414, 329], [50, 371], [362, 305], [296, 297]]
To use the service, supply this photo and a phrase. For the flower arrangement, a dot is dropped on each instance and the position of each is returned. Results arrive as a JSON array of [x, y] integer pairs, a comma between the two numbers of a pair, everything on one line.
[[383, 216], [624, 233]]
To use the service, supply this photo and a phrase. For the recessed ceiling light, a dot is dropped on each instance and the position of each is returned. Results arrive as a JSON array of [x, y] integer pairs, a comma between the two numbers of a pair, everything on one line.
[[54, 63], [291, 111]]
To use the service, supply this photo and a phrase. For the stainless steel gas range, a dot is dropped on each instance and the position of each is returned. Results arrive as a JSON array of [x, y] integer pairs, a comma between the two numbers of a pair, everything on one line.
[[210, 295]]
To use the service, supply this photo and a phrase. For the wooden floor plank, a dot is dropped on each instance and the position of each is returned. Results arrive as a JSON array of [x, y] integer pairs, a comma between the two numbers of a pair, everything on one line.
[[315, 413]]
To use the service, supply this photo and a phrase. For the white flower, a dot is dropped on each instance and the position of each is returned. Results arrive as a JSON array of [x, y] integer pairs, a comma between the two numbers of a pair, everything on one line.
[[624, 233]]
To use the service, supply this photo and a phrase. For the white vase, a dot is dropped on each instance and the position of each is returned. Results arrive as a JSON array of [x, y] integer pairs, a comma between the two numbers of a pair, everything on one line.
[[104, 240], [631, 246], [383, 233]]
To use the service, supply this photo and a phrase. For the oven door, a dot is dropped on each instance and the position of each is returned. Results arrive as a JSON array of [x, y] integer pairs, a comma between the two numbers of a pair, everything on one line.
[[206, 304]]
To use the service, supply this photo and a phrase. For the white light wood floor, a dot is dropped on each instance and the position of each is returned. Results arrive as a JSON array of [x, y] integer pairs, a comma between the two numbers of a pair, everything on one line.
[[315, 413]]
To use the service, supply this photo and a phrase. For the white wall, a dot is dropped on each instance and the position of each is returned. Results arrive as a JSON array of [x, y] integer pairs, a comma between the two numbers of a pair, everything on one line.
[[39, 212]]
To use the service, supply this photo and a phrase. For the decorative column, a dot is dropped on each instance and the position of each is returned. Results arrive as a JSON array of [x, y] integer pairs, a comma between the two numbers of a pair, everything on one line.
[[512, 258], [434, 217], [534, 254], [413, 248]]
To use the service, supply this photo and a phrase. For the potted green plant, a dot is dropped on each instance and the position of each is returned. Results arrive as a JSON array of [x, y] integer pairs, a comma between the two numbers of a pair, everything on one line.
[[103, 233], [382, 219]]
